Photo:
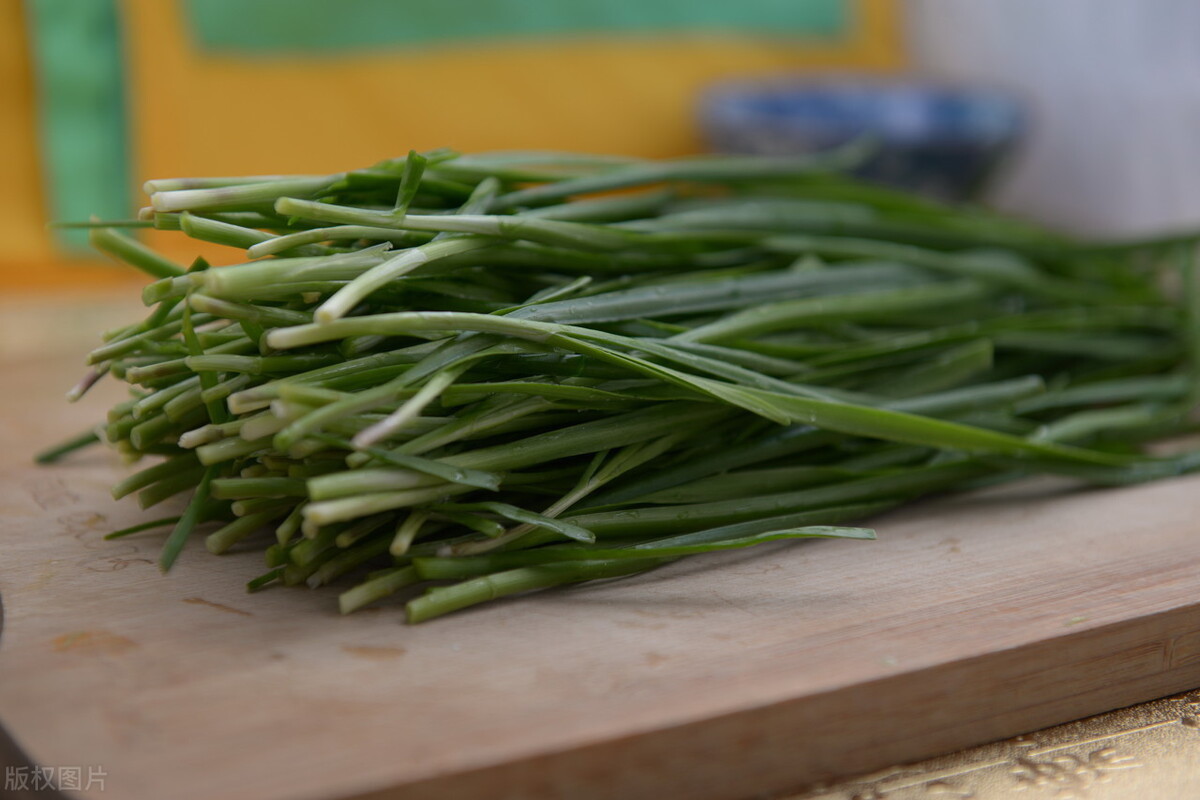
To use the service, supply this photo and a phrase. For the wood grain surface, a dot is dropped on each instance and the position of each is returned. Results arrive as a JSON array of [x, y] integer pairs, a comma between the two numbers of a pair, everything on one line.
[[726, 676]]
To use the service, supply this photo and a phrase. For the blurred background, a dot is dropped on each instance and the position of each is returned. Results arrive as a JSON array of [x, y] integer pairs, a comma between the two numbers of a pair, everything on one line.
[[1081, 113]]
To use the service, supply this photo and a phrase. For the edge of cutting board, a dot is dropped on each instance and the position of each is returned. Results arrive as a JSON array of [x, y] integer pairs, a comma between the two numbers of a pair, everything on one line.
[[779, 747]]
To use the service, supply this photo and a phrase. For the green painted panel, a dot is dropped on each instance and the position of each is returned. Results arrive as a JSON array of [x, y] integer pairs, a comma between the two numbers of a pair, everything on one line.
[[79, 77], [289, 26]]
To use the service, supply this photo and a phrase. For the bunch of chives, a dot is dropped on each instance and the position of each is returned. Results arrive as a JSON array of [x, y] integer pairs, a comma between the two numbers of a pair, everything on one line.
[[514, 371]]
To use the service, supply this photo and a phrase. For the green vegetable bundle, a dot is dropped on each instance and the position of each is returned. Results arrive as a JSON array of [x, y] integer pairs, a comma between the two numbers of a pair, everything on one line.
[[514, 371]]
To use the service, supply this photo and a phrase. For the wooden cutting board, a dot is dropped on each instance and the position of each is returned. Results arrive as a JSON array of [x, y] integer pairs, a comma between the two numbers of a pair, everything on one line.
[[726, 676]]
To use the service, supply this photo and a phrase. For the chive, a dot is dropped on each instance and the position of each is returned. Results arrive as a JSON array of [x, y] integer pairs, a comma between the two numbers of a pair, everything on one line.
[[347, 560], [228, 535], [133, 253], [170, 486], [264, 580], [495, 369], [436, 602], [470, 566], [237, 488], [377, 588], [381, 274], [58, 451], [183, 528], [687, 169], [451, 474], [153, 474], [511, 512], [233, 196], [143, 526]]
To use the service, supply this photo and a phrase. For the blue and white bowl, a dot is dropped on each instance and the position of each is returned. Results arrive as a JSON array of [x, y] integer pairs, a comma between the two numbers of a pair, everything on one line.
[[943, 141]]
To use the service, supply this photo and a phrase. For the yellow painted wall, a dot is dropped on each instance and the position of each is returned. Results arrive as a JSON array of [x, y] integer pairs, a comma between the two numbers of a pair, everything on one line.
[[200, 113]]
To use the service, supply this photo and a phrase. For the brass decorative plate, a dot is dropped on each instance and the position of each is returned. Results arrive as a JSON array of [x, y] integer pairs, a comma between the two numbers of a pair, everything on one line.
[[1150, 752]]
